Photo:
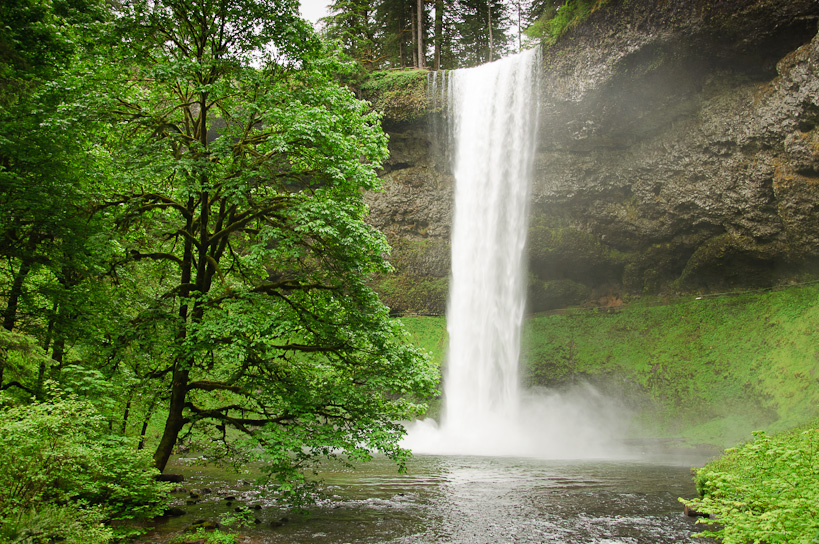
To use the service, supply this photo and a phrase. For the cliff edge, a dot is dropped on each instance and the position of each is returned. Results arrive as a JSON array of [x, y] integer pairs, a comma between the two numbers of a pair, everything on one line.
[[678, 151]]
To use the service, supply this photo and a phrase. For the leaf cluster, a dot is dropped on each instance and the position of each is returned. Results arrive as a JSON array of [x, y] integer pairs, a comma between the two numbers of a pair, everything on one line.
[[764, 491]]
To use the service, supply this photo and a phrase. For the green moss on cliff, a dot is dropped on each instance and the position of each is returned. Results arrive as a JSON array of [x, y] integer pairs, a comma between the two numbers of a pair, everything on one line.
[[399, 94], [405, 294], [710, 370], [715, 368], [554, 22], [420, 284]]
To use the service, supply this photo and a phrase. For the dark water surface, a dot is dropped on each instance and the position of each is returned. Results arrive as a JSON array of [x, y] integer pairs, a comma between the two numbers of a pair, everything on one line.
[[469, 500]]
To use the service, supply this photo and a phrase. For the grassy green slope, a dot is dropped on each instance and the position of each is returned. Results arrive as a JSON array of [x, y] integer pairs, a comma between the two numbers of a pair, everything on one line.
[[708, 370], [428, 333]]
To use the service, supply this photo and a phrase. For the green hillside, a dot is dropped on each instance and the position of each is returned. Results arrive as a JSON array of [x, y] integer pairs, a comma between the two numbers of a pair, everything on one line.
[[708, 369]]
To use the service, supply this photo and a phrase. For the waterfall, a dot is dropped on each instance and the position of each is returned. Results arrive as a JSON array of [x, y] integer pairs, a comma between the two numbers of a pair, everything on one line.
[[492, 111], [494, 118]]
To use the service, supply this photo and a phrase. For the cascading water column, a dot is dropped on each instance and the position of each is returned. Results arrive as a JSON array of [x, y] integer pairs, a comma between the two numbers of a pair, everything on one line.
[[494, 116]]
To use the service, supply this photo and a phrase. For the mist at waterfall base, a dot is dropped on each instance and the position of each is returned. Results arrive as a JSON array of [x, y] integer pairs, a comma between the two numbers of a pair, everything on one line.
[[492, 111]]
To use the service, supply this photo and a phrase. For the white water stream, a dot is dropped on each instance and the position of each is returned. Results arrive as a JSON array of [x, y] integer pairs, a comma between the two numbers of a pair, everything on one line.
[[493, 115], [494, 119]]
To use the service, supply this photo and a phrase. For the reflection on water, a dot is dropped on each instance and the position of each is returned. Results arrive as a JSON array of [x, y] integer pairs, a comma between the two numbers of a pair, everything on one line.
[[469, 500]]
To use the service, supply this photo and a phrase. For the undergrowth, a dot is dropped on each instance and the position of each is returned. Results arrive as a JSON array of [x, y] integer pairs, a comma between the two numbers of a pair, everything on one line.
[[400, 94], [764, 491]]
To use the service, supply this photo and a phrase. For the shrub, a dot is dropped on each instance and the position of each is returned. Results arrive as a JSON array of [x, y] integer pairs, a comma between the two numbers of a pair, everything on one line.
[[205, 536], [68, 524], [58, 462], [765, 491]]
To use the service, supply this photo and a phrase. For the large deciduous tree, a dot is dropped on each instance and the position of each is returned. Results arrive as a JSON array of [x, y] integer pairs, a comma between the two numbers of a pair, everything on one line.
[[240, 195]]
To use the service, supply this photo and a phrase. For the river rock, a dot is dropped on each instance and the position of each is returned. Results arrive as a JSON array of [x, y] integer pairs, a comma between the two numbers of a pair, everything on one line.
[[173, 478], [174, 511], [692, 513]]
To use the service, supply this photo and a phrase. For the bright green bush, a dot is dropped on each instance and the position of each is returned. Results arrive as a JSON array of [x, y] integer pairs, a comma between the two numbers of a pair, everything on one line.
[[203, 535], [68, 524], [62, 474], [765, 491]]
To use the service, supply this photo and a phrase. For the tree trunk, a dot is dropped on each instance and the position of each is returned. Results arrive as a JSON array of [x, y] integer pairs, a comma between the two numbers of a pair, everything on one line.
[[10, 314], [176, 419], [520, 27], [420, 27], [414, 37], [369, 56], [489, 24], [126, 413], [179, 387], [439, 31], [145, 422], [41, 370]]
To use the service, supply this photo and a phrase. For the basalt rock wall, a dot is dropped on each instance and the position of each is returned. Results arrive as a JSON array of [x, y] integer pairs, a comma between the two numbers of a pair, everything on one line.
[[678, 151]]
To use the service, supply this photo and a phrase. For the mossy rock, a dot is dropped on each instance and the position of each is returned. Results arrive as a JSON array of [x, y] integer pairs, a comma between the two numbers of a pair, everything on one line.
[[400, 95], [405, 294], [727, 260], [550, 295], [559, 251], [427, 257]]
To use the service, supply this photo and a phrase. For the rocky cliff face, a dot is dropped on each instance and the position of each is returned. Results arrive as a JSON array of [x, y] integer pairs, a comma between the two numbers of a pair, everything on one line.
[[678, 151]]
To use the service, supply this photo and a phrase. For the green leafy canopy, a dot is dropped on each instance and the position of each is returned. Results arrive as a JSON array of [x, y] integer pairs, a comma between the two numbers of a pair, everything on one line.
[[241, 169]]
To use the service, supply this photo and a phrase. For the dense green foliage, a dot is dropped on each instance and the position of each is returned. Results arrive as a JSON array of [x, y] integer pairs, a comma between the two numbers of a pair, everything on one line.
[[764, 491], [184, 253], [63, 474], [386, 34], [708, 370]]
